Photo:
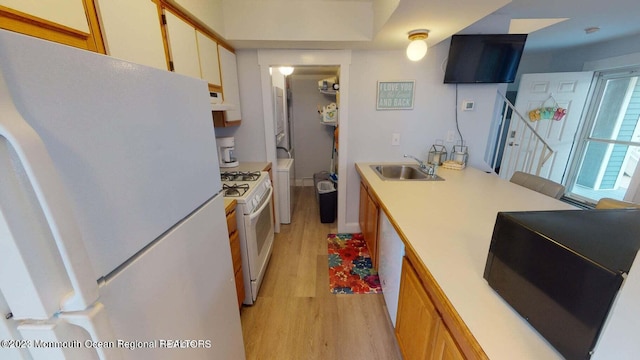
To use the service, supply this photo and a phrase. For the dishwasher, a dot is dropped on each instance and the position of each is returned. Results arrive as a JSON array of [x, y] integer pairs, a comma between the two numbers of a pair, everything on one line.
[[286, 182]]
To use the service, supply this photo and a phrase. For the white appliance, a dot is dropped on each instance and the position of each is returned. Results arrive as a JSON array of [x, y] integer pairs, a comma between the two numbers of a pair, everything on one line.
[[217, 103], [278, 108], [254, 214], [111, 212], [285, 189], [226, 147]]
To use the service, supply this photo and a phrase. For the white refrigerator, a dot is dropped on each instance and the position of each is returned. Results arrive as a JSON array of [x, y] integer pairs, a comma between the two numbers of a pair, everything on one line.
[[113, 238]]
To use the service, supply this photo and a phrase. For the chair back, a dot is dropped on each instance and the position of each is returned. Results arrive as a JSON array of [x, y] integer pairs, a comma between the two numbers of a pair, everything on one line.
[[539, 184], [609, 203]]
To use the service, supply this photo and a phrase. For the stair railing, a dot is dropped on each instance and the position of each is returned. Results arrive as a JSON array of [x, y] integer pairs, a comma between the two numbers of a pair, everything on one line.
[[528, 150]]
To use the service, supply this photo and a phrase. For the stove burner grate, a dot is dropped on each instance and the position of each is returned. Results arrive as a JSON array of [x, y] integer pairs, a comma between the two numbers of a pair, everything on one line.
[[240, 175], [235, 190]]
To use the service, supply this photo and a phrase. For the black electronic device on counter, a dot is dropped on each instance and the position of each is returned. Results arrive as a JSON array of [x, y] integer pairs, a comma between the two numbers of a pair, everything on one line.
[[561, 270], [485, 58]]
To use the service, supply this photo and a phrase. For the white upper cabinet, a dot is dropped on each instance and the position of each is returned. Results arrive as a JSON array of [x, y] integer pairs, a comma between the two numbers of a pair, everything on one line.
[[230, 87], [69, 13], [132, 31], [192, 52], [183, 46], [208, 55]]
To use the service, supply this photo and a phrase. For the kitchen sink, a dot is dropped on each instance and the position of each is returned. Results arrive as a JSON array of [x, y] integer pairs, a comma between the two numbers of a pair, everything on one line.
[[403, 173]]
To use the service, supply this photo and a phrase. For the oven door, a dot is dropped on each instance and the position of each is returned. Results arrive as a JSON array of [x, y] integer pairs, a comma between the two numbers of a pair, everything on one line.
[[259, 237]]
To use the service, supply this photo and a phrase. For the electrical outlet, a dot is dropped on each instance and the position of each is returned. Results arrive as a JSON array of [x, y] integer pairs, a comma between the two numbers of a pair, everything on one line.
[[451, 136], [395, 139]]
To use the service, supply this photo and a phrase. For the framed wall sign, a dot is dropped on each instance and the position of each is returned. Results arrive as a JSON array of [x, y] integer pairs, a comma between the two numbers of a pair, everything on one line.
[[395, 95]]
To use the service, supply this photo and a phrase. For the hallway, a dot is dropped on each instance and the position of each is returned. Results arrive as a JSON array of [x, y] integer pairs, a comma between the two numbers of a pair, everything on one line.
[[295, 315]]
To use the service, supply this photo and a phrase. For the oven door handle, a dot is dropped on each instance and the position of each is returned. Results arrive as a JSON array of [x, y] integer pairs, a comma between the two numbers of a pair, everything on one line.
[[266, 201]]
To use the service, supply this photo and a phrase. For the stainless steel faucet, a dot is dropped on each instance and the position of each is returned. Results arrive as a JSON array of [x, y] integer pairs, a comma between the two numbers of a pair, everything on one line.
[[427, 169]]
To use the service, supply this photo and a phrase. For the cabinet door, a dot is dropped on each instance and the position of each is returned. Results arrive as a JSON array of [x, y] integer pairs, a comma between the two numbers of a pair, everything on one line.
[[390, 255], [417, 320], [208, 55], [445, 347], [69, 22], [183, 47], [230, 86], [371, 235], [69, 13], [132, 32], [362, 218]]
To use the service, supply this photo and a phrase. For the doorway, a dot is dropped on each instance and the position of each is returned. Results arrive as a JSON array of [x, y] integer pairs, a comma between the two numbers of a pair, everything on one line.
[[304, 134], [296, 58], [537, 93]]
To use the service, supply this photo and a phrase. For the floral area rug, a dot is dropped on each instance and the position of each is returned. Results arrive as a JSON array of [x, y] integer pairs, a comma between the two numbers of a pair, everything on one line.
[[350, 269]]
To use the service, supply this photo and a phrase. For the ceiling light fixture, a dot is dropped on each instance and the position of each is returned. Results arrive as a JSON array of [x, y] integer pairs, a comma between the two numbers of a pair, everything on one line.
[[417, 48], [286, 70]]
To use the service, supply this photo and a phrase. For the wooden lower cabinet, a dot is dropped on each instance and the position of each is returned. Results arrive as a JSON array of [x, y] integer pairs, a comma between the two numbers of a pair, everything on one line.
[[420, 331], [362, 218], [445, 348], [236, 259], [369, 215]]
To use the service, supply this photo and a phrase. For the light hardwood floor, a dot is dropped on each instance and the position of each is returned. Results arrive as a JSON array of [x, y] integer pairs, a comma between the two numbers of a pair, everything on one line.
[[295, 315]]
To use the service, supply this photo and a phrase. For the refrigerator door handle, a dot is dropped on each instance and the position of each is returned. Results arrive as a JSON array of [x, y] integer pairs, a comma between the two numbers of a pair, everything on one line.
[[96, 322], [52, 200]]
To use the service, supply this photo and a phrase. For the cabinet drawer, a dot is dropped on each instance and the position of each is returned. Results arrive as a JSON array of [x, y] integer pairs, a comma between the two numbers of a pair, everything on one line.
[[232, 224], [234, 241]]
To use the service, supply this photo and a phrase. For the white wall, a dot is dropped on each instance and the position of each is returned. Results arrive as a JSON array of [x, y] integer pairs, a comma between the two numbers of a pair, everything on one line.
[[370, 131], [209, 12], [312, 141], [605, 55], [433, 115]]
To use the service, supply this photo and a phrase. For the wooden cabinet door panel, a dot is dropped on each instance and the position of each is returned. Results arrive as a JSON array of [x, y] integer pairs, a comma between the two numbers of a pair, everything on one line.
[[362, 218], [236, 255], [417, 320], [239, 287], [445, 347], [371, 236]]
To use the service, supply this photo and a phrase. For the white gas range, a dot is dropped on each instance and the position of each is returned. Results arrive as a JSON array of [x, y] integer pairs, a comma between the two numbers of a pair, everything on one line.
[[254, 214]]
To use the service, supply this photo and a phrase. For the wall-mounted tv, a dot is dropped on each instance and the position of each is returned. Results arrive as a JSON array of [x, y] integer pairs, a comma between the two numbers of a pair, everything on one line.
[[487, 58]]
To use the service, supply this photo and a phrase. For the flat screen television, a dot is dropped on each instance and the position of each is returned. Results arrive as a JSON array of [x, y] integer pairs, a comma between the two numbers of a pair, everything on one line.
[[487, 58]]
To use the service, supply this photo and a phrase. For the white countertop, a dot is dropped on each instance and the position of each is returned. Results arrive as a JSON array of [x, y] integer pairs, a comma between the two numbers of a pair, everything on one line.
[[449, 225]]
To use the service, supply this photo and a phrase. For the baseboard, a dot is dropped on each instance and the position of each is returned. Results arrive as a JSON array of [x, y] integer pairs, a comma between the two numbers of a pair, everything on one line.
[[350, 228]]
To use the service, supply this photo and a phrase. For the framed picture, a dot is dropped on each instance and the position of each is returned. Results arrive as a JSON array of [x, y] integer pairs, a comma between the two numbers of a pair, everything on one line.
[[395, 95]]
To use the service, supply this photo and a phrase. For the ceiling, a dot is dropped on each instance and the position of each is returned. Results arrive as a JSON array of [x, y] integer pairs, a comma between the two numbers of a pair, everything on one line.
[[383, 24]]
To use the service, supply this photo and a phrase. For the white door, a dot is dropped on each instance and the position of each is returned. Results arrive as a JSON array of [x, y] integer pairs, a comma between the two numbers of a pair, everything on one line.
[[567, 90]]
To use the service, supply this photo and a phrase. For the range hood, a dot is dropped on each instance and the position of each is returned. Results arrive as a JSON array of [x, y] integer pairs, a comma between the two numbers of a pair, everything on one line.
[[222, 107], [217, 104]]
